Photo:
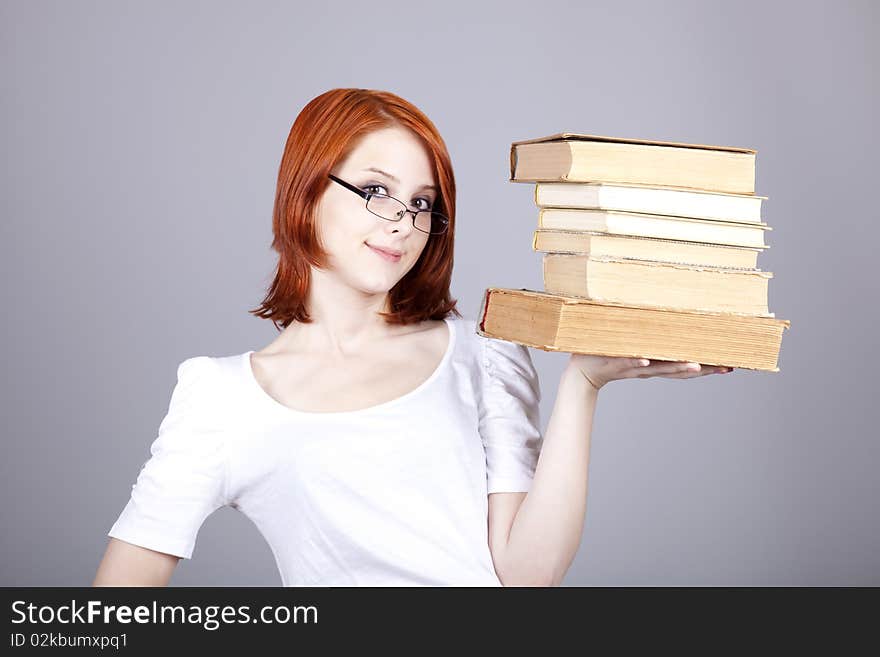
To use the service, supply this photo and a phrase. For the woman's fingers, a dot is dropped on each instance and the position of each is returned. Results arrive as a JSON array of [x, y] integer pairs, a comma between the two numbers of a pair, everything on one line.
[[661, 368], [674, 370], [703, 371]]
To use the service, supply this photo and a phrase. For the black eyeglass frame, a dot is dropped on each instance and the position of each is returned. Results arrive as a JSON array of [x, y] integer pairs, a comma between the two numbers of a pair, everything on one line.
[[367, 196]]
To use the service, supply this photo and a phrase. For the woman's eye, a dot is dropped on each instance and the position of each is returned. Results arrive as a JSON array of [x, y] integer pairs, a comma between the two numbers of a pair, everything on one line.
[[381, 189]]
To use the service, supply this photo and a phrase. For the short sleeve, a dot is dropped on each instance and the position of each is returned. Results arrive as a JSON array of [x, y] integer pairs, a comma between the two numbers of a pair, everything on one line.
[[510, 425], [184, 480]]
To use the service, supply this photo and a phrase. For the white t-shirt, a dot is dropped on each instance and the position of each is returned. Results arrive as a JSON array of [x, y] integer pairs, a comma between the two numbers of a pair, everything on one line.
[[391, 495]]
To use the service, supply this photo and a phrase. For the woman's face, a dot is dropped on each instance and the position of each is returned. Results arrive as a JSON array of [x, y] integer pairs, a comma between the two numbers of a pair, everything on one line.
[[351, 234]]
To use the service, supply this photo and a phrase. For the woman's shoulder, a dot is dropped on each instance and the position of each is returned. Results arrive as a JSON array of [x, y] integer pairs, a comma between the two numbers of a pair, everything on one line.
[[210, 370], [211, 379], [481, 351], [494, 356], [465, 332]]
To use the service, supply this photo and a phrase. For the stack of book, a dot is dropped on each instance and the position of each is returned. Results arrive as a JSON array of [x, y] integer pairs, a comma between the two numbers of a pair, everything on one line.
[[649, 249]]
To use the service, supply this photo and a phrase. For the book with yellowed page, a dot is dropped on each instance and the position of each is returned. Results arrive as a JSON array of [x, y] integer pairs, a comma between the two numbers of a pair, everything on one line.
[[659, 226], [557, 323], [650, 200], [644, 248], [576, 157], [656, 284]]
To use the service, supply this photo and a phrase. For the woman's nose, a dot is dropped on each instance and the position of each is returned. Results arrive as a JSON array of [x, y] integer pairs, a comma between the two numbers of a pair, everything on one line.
[[405, 225]]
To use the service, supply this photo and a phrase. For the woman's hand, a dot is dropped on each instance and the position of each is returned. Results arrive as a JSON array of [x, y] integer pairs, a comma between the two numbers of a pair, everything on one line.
[[599, 370]]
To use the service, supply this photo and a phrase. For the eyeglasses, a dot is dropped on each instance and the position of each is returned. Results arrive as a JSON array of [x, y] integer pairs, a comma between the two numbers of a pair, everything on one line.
[[391, 209]]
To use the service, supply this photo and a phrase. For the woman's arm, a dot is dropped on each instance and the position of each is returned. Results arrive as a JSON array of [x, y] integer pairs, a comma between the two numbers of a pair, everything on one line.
[[125, 564], [545, 530]]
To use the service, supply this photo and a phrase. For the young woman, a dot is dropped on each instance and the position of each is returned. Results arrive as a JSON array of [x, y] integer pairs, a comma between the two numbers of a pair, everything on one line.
[[378, 439]]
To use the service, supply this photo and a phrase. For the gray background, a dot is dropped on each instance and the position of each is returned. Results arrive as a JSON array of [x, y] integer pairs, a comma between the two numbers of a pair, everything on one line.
[[141, 146]]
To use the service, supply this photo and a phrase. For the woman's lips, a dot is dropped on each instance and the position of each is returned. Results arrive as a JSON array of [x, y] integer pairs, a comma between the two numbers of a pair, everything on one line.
[[384, 254]]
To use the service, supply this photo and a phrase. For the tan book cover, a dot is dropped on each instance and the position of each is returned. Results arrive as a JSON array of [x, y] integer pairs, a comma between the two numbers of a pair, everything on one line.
[[558, 323], [655, 284], [645, 199], [577, 157], [650, 225], [548, 240]]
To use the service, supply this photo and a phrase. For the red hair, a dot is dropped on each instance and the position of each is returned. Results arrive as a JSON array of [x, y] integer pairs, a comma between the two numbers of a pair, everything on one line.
[[323, 134]]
